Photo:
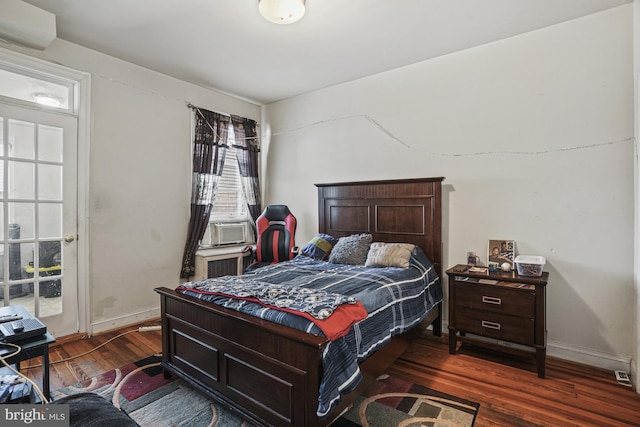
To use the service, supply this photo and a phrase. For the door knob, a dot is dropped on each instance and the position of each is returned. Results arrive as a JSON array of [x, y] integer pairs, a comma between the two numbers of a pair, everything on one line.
[[69, 238]]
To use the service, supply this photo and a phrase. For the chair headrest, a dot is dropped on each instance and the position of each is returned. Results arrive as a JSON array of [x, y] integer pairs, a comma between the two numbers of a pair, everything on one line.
[[276, 212]]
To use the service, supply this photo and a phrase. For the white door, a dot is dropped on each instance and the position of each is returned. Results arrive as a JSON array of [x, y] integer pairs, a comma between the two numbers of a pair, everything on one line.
[[38, 227]]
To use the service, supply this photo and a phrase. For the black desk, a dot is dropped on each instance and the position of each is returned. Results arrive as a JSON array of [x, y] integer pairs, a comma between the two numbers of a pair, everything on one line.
[[31, 348]]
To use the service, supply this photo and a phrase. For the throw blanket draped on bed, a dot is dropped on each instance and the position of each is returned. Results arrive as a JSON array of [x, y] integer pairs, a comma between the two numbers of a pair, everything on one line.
[[378, 303], [333, 313]]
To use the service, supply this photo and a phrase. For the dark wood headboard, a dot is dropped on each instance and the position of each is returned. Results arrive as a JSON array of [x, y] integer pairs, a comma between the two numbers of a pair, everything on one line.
[[397, 211]]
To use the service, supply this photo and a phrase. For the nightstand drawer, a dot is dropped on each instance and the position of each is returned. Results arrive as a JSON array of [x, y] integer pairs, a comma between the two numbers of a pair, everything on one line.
[[512, 301], [495, 325]]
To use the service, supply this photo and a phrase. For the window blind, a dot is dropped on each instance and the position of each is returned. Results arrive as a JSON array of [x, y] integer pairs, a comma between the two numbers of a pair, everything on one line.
[[229, 203]]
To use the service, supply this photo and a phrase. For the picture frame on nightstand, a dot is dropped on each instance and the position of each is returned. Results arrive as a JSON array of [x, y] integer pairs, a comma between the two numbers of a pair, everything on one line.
[[500, 251]]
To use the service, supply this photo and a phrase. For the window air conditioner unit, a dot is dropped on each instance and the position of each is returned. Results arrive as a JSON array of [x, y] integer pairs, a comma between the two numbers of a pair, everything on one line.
[[227, 233]]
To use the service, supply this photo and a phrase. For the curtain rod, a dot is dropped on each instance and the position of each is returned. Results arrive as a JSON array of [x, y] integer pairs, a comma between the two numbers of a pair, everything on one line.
[[194, 107]]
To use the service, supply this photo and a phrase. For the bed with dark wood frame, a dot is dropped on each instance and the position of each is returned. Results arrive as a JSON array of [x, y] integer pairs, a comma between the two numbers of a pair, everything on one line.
[[269, 373]]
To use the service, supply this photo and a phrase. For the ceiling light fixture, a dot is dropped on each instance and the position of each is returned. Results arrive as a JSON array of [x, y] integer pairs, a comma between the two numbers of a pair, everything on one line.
[[47, 99], [281, 11]]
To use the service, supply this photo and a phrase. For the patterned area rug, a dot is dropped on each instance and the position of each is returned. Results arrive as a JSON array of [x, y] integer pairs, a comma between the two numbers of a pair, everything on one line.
[[141, 390]]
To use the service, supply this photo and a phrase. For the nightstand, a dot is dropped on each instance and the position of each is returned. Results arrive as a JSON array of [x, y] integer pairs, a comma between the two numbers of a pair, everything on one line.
[[506, 308]]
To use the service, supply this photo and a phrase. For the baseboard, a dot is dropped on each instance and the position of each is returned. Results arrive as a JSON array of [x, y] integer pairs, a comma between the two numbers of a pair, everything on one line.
[[582, 355], [119, 322], [588, 356]]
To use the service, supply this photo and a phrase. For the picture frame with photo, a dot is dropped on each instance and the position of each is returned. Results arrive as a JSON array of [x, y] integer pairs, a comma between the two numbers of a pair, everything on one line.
[[501, 251]]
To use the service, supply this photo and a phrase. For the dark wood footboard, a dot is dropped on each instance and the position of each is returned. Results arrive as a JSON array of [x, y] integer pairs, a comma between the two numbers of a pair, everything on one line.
[[267, 373]]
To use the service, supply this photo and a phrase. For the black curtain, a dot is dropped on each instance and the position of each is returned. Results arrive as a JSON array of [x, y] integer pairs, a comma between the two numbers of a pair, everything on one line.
[[209, 150], [248, 154]]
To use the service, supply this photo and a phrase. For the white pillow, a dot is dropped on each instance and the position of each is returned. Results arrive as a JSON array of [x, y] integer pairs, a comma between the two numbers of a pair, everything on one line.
[[389, 255]]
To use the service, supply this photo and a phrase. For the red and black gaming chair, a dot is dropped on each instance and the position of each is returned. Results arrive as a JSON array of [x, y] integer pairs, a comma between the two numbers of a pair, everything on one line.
[[276, 229]]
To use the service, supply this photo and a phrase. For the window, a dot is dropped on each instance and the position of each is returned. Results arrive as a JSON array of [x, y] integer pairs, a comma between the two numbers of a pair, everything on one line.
[[29, 88], [229, 203]]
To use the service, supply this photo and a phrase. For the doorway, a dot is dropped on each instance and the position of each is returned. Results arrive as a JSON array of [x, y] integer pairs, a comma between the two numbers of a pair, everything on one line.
[[39, 207], [39, 192]]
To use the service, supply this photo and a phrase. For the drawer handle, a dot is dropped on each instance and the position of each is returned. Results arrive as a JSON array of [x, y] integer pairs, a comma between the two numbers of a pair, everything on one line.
[[492, 300], [490, 325]]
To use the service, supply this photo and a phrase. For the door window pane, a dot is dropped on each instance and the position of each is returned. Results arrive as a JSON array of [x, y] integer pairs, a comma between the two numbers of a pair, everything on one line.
[[22, 139], [50, 220], [17, 291], [14, 232], [49, 182], [50, 256], [50, 143], [20, 256], [22, 220], [50, 266], [21, 180]]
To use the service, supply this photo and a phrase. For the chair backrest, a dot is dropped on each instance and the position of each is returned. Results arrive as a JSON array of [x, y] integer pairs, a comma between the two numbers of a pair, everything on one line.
[[276, 228]]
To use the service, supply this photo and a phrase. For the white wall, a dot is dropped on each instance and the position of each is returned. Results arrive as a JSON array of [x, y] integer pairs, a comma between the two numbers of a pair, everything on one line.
[[635, 367], [140, 179], [534, 135]]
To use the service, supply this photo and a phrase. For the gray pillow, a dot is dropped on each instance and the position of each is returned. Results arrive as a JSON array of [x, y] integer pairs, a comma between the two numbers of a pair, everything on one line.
[[351, 249]]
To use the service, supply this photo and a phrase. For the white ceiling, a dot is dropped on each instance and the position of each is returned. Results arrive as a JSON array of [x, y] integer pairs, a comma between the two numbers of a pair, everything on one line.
[[228, 46]]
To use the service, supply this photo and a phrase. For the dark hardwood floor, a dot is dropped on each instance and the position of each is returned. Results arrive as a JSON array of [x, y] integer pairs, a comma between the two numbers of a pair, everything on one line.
[[507, 388], [510, 392]]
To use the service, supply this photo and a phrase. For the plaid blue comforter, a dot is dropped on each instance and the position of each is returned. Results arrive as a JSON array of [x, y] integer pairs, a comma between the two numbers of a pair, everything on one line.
[[396, 299]]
